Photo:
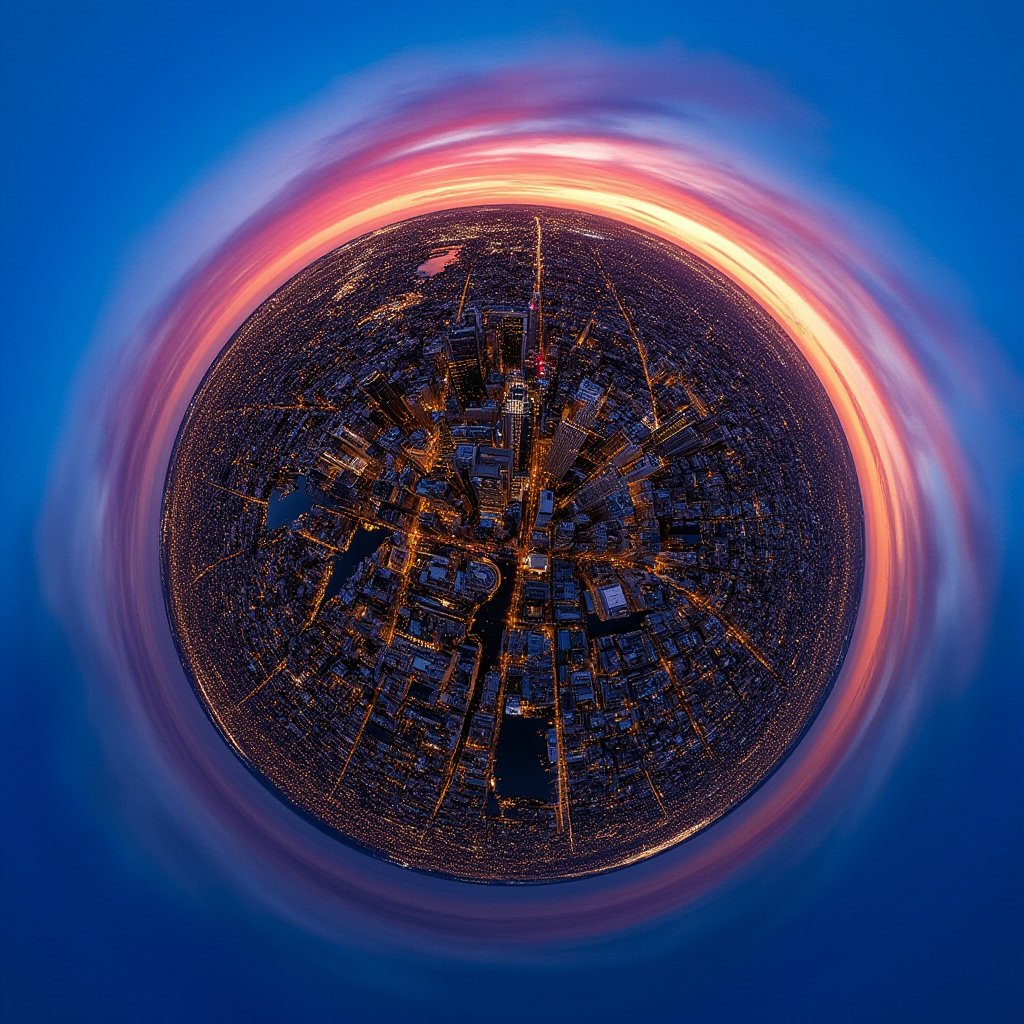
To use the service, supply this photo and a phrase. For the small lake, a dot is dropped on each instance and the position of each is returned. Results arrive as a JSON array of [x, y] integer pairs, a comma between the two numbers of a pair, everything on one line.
[[439, 259], [521, 766], [364, 543], [283, 509]]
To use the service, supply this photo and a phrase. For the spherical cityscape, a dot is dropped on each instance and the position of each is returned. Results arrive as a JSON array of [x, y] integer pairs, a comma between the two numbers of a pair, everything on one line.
[[511, 544]]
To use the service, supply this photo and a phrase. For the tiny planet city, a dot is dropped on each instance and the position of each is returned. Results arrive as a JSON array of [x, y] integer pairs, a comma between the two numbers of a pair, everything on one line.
[[511, 544]]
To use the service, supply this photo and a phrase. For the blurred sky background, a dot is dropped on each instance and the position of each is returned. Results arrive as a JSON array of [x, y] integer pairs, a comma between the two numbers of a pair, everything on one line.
[[112, 112]]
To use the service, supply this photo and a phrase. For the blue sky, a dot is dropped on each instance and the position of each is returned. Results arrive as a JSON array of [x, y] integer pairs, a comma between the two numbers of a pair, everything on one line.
[[113, 111]]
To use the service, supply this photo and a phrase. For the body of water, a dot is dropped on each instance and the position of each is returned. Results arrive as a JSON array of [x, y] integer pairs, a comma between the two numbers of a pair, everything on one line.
[[283, 509], [363, 544], [490, 621], [521, 766], [438, 261]]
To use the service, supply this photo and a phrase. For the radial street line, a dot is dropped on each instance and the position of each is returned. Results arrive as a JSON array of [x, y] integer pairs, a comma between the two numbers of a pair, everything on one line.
[[270, 675], [318, 598], [237, 494], [564, 813], [272, 407], [742, 638], [462, 298], [680, 689], [463, 733], [539, 259], [321, 543], [654, 790], [213, 565], [640, 348], [355, 743], [585, 333]]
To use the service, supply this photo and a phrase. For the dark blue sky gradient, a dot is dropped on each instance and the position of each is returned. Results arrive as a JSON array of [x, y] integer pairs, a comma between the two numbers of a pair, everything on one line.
[[112, 112]]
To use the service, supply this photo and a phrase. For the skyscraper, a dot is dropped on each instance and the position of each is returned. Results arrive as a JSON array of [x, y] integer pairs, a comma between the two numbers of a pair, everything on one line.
[[587, 402], [515, 421], [565, 446], [510, 327], [465, 365], [378, 389], [346, 450], [491, 474]]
